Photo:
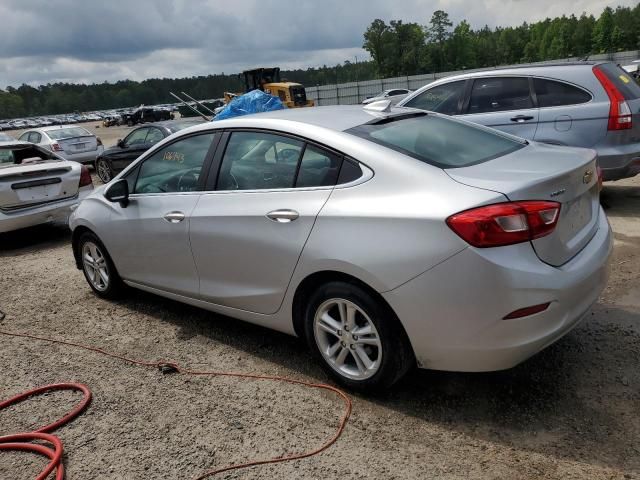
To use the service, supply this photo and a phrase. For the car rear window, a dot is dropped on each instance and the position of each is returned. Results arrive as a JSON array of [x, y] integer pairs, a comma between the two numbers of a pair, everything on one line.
[[622, 80], [439, 141], [554, 94], [67, 133]]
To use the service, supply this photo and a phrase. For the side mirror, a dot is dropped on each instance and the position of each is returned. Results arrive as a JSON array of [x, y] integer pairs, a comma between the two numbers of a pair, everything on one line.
[[118, 192], [120, 143]]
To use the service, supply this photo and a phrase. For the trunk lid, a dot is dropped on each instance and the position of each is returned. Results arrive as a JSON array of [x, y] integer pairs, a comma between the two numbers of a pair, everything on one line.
[[74, 139], [545, 172], [30, 185]]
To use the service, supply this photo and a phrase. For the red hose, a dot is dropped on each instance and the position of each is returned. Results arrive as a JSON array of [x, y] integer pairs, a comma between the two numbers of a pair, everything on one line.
[[21, 441]]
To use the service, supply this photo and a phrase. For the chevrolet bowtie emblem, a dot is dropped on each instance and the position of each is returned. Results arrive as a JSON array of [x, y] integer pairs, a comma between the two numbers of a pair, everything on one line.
[[588, 176]]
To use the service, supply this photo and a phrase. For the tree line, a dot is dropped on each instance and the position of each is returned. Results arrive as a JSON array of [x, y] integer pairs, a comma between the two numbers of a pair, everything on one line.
[[396, 49], [400, 48]]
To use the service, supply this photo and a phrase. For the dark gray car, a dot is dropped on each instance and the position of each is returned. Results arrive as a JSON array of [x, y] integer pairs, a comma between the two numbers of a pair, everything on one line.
[[583, 104]]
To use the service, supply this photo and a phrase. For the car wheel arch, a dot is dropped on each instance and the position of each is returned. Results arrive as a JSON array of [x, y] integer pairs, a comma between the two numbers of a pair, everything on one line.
[[313, 281]]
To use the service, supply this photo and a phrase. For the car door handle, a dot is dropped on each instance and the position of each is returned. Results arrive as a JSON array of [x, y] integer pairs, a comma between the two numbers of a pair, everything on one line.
[[174, 217], [521, 118], [283, 216]]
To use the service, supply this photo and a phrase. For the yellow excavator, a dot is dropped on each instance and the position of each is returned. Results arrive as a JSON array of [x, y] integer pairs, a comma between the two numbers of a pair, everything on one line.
[[268, 80]]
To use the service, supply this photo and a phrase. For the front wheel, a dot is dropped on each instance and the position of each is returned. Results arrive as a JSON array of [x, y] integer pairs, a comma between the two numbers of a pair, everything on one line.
[[357, 338], [105, 172], [98, 269]]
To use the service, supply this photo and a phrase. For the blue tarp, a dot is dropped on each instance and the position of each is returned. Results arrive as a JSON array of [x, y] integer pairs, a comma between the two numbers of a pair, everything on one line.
[[255, 101]]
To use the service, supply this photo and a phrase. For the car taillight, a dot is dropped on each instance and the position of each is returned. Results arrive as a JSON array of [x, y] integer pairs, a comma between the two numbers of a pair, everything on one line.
[[56, 147], [85, 177], [99, 141], [619, 111], [505, 223]]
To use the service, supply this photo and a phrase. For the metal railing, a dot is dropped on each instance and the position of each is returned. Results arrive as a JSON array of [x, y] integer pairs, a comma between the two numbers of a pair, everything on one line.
[[355, 92]]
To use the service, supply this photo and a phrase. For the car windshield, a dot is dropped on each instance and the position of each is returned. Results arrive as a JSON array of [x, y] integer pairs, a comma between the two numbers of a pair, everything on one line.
[[71, 132], [439, 141]]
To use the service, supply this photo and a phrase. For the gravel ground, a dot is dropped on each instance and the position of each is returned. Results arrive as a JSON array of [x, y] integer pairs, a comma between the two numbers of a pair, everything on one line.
[[571, 412]]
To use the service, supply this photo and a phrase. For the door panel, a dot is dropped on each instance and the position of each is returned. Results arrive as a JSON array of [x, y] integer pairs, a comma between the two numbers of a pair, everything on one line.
[[150, 249], [245, 259]]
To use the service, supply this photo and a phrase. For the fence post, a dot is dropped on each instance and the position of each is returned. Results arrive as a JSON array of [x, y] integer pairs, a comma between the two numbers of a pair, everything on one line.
[[337, 94]]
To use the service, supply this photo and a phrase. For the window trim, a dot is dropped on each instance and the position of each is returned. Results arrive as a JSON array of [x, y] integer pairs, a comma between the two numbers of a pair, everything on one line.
[[557, 80], [206, 164], [472, 80], [216, 164]]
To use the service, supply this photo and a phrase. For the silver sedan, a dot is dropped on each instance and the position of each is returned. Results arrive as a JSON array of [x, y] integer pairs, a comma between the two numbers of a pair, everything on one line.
[[386, 237], [67, 141]]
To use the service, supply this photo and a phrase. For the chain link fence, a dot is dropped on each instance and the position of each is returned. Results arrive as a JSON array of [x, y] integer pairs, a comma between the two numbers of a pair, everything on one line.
[[355, 92]]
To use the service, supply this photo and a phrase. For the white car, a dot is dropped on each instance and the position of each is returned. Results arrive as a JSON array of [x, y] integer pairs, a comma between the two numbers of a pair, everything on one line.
[[68, 141], [394, 95], [37, 186]]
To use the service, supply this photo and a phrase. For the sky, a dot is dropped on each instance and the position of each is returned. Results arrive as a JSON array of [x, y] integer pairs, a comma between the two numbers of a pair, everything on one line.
[[88, 41]]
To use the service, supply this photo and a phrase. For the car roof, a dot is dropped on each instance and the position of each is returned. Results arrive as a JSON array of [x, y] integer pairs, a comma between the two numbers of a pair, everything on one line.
[[524, 69], [15, 143], [334, 117], [56, 127]]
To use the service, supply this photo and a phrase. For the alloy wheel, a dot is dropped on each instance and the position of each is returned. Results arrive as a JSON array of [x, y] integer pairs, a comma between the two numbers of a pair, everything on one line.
[[95, 266], [104, 172], [347, 339]]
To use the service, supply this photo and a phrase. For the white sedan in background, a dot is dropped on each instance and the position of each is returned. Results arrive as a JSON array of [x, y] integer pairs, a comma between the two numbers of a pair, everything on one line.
[[68, 141], [37, 186]]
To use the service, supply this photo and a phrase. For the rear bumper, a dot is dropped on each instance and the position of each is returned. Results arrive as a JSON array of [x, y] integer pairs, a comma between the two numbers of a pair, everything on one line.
[[84, 157], [617, 165], [453, 313], [55, 212]]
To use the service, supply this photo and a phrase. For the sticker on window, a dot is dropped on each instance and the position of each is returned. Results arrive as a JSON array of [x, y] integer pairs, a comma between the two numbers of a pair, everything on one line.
[[173, 157], [624, 78]]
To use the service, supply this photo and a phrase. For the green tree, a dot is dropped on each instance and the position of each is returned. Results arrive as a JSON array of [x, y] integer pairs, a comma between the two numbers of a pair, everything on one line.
[[603, 32]]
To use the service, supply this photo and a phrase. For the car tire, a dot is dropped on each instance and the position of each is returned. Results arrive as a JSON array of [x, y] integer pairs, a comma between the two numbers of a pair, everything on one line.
[[98, 268], [356, 337], [104, 170], [129, 123]]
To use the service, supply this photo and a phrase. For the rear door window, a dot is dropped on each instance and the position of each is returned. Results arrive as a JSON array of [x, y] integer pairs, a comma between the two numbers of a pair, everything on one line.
[[554, 94], [622, 80], [318, 168], [499, 94], [440, 141], [259, 161], [441, 99], [154, 136]]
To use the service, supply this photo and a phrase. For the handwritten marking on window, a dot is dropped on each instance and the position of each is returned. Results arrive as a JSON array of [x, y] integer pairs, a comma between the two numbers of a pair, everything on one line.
[[173, 157]]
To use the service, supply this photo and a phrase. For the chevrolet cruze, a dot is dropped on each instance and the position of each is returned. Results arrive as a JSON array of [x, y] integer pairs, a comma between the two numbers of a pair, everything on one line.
[[386, 237]]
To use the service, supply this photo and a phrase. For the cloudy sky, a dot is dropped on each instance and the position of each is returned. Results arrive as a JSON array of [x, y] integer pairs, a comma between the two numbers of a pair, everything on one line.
[[95, 41]]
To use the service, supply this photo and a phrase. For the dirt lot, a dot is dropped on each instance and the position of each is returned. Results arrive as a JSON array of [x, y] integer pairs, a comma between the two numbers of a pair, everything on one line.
[[573, 411]]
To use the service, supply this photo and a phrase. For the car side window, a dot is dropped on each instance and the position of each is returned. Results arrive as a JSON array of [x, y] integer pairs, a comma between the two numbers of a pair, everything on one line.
[[35, 137], [258, 161], [554, 94], [498, 94], [318, 168], [154, 136], [175, 167], [25, 137], [442, 98], [137, 137]]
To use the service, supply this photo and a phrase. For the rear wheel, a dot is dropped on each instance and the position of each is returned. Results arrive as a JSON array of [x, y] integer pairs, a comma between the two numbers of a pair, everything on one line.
[[356, 337], [98, 269], [105, 172]]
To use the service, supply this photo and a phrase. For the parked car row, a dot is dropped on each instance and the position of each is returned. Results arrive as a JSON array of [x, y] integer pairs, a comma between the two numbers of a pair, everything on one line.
[[285, 219]]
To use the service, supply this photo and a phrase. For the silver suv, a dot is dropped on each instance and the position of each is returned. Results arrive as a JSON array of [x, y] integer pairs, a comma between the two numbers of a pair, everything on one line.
[[582, 104]]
